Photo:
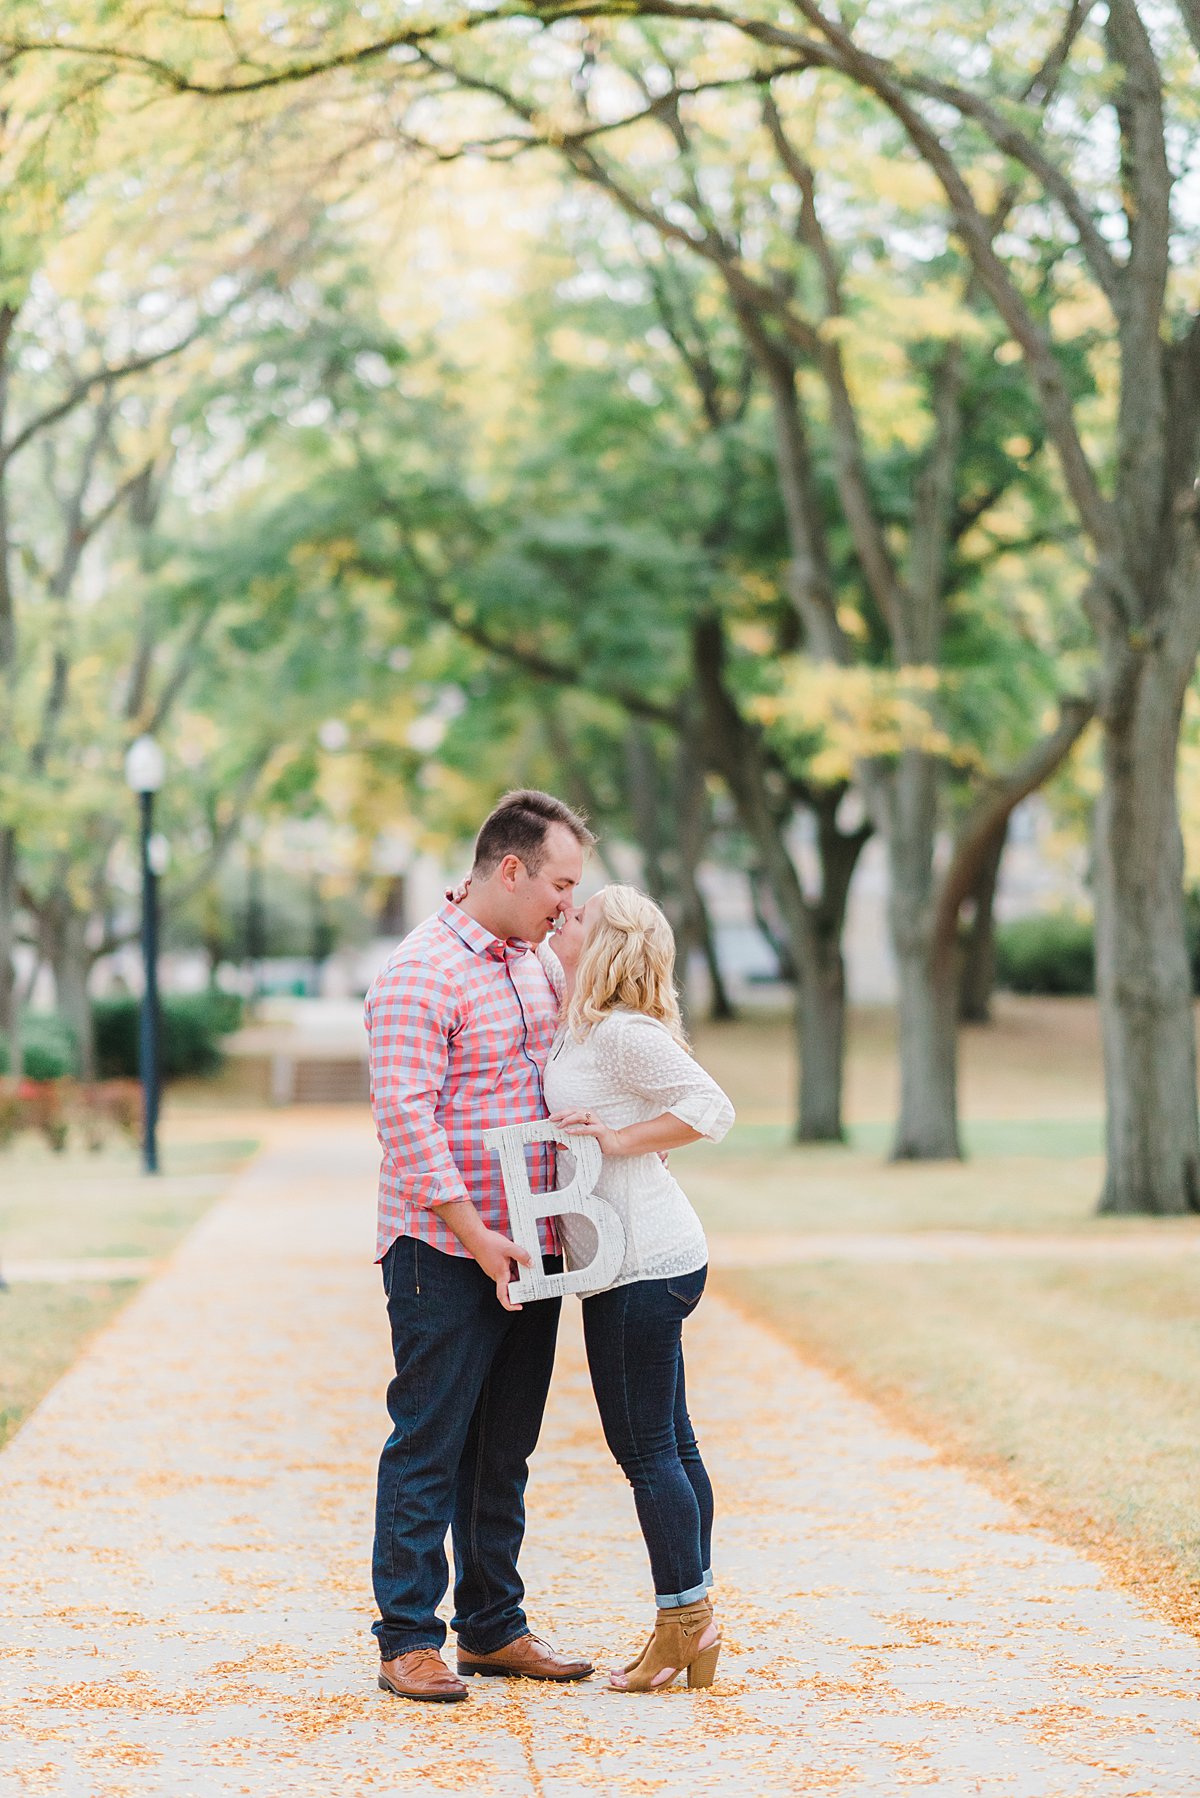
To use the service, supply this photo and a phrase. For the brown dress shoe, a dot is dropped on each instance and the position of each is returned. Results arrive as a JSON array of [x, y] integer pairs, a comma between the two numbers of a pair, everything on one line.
[[422, 1673], [526, 1658]]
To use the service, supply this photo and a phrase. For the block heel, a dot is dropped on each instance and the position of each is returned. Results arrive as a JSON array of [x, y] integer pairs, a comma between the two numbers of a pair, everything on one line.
[[674, 1646], [703, 1669]]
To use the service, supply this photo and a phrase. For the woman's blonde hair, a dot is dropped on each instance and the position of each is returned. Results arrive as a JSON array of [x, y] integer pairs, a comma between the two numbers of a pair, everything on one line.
[[628, 964]]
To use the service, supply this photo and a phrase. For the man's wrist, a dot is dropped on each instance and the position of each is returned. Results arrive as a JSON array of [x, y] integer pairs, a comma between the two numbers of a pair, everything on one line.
[[477, 1240], [461, 1217]]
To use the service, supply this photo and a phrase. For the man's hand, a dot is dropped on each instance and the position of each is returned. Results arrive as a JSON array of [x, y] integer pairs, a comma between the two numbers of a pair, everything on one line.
[[493, 1251], [496, 1255]]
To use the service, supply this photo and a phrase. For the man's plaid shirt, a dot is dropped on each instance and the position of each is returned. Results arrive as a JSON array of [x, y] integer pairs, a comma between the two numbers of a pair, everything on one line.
[[459, 1025]]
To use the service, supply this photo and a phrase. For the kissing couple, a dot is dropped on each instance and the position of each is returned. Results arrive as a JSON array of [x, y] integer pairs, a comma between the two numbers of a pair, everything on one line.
[[508, 1006]]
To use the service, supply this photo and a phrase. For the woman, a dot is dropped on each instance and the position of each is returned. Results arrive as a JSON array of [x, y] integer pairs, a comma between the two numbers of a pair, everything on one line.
[[621, 1072]]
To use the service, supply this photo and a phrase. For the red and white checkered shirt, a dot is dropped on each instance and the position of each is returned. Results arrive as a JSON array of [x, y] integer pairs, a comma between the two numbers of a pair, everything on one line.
[[459, 1025]]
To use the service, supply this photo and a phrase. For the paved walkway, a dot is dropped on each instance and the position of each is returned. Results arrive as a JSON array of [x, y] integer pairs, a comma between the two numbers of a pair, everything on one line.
[[184, 1531]]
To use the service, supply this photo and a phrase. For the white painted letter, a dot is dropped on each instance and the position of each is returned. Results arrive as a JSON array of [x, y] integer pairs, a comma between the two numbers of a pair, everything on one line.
[[525, 1208]]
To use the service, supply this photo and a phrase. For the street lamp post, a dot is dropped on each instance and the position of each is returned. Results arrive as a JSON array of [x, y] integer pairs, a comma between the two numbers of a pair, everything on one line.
[[145, 766]]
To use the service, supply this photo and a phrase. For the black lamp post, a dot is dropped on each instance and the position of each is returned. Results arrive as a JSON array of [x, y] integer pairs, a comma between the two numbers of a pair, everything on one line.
[[145, 766]]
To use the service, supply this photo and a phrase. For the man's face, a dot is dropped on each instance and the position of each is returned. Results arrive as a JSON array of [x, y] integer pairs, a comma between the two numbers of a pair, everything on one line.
[[538, 899]]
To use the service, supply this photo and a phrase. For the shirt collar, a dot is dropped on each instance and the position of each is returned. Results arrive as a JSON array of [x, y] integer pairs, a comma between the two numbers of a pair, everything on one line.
[[476, 938]]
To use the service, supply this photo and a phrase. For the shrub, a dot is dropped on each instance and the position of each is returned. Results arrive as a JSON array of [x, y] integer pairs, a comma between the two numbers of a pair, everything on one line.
[[1053, 952], [56, 1107], [12, 1114], [192, 1027], [1191, 917], [47, 1046], [43, 1106], [109, 1106]]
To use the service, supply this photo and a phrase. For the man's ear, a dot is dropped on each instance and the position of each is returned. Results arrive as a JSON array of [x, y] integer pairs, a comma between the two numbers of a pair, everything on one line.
[[510, 866]]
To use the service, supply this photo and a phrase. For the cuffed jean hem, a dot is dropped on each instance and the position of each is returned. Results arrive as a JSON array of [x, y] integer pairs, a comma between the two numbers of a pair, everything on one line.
[[389, 1651], [497, 1647], [668, 1601]]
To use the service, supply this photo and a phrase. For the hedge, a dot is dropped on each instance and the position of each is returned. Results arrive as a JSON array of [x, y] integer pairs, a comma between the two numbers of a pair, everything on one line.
[[192, 1028], [1053, 952], [47, 1047]]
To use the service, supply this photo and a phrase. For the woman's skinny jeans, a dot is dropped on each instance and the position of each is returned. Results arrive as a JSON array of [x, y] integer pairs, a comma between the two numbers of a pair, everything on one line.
[[634, 1337]]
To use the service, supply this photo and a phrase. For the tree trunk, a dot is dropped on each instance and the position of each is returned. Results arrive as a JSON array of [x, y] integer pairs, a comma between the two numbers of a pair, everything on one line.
[[642, 778], [70, 963], [1143, 978], [814, 926], [928, 1048], [10, 1021], [10, 1009], [820, 1015], [721, 1008], [691, 837], [977, 975], [927, 1013], [769, 927]]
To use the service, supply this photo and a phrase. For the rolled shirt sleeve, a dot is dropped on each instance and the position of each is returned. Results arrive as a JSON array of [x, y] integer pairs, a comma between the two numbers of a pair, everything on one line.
[[651, 1063], [410, 1014]]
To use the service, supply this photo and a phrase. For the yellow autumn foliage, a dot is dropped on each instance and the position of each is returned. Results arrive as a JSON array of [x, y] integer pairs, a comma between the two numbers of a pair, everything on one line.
[[858, 713], [935, 313]]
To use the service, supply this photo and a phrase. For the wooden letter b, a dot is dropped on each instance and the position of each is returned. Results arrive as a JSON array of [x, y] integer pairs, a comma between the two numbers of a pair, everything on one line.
[[525, 1208]]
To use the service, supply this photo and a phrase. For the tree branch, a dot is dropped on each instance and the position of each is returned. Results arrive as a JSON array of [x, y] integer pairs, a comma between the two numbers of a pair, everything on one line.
[[180, 82], [1190, 12], [1146, 196], [531, 661], [87, 384], [870, 542], [840, 53], [997, 805], [810, 578]]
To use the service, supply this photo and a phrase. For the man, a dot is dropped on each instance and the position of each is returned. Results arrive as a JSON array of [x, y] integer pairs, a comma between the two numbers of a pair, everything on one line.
[[460, 1023]]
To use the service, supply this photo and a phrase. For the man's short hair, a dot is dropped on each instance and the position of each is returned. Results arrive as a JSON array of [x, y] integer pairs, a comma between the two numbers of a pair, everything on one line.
[[519, 826]]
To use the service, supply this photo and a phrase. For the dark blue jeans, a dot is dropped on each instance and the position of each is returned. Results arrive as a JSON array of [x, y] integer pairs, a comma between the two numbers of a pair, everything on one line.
[[466, 1407], [634, 1337]]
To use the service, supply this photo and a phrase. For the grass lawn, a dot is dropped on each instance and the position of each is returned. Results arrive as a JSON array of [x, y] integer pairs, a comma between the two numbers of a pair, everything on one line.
[[1073, 1386], [76, 1206], [42, 1329]]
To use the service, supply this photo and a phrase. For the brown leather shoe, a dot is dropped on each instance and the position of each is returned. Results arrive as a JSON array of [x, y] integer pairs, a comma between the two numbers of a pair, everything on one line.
[[526, 1658], [422, 1673]]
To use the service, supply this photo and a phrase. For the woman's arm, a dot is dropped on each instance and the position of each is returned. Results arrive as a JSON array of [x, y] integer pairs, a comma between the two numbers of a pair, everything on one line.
[[664, 1132]]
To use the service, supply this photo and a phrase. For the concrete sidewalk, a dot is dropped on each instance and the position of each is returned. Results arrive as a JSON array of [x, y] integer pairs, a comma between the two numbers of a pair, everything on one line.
[[185, 1529]]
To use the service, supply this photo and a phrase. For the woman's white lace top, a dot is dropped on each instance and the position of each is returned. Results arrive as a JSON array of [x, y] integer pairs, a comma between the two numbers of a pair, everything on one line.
[[627, 1070]]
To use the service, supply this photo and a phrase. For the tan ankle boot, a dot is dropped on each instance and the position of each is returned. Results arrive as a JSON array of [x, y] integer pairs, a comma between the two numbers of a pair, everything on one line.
[[640, 1656], [684, 1636]]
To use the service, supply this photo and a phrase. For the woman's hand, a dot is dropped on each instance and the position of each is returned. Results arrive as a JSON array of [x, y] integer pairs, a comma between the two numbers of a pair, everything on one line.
[[583, 1123], [457, 894]]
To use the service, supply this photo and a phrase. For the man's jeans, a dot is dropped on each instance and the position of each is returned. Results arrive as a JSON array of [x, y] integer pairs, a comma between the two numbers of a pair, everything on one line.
[[466, 1407], [634, 1338]]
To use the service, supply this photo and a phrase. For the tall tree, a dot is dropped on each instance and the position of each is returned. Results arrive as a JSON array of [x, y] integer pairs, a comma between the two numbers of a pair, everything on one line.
[[1122, 233], [1127, 456], [915, 498]]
